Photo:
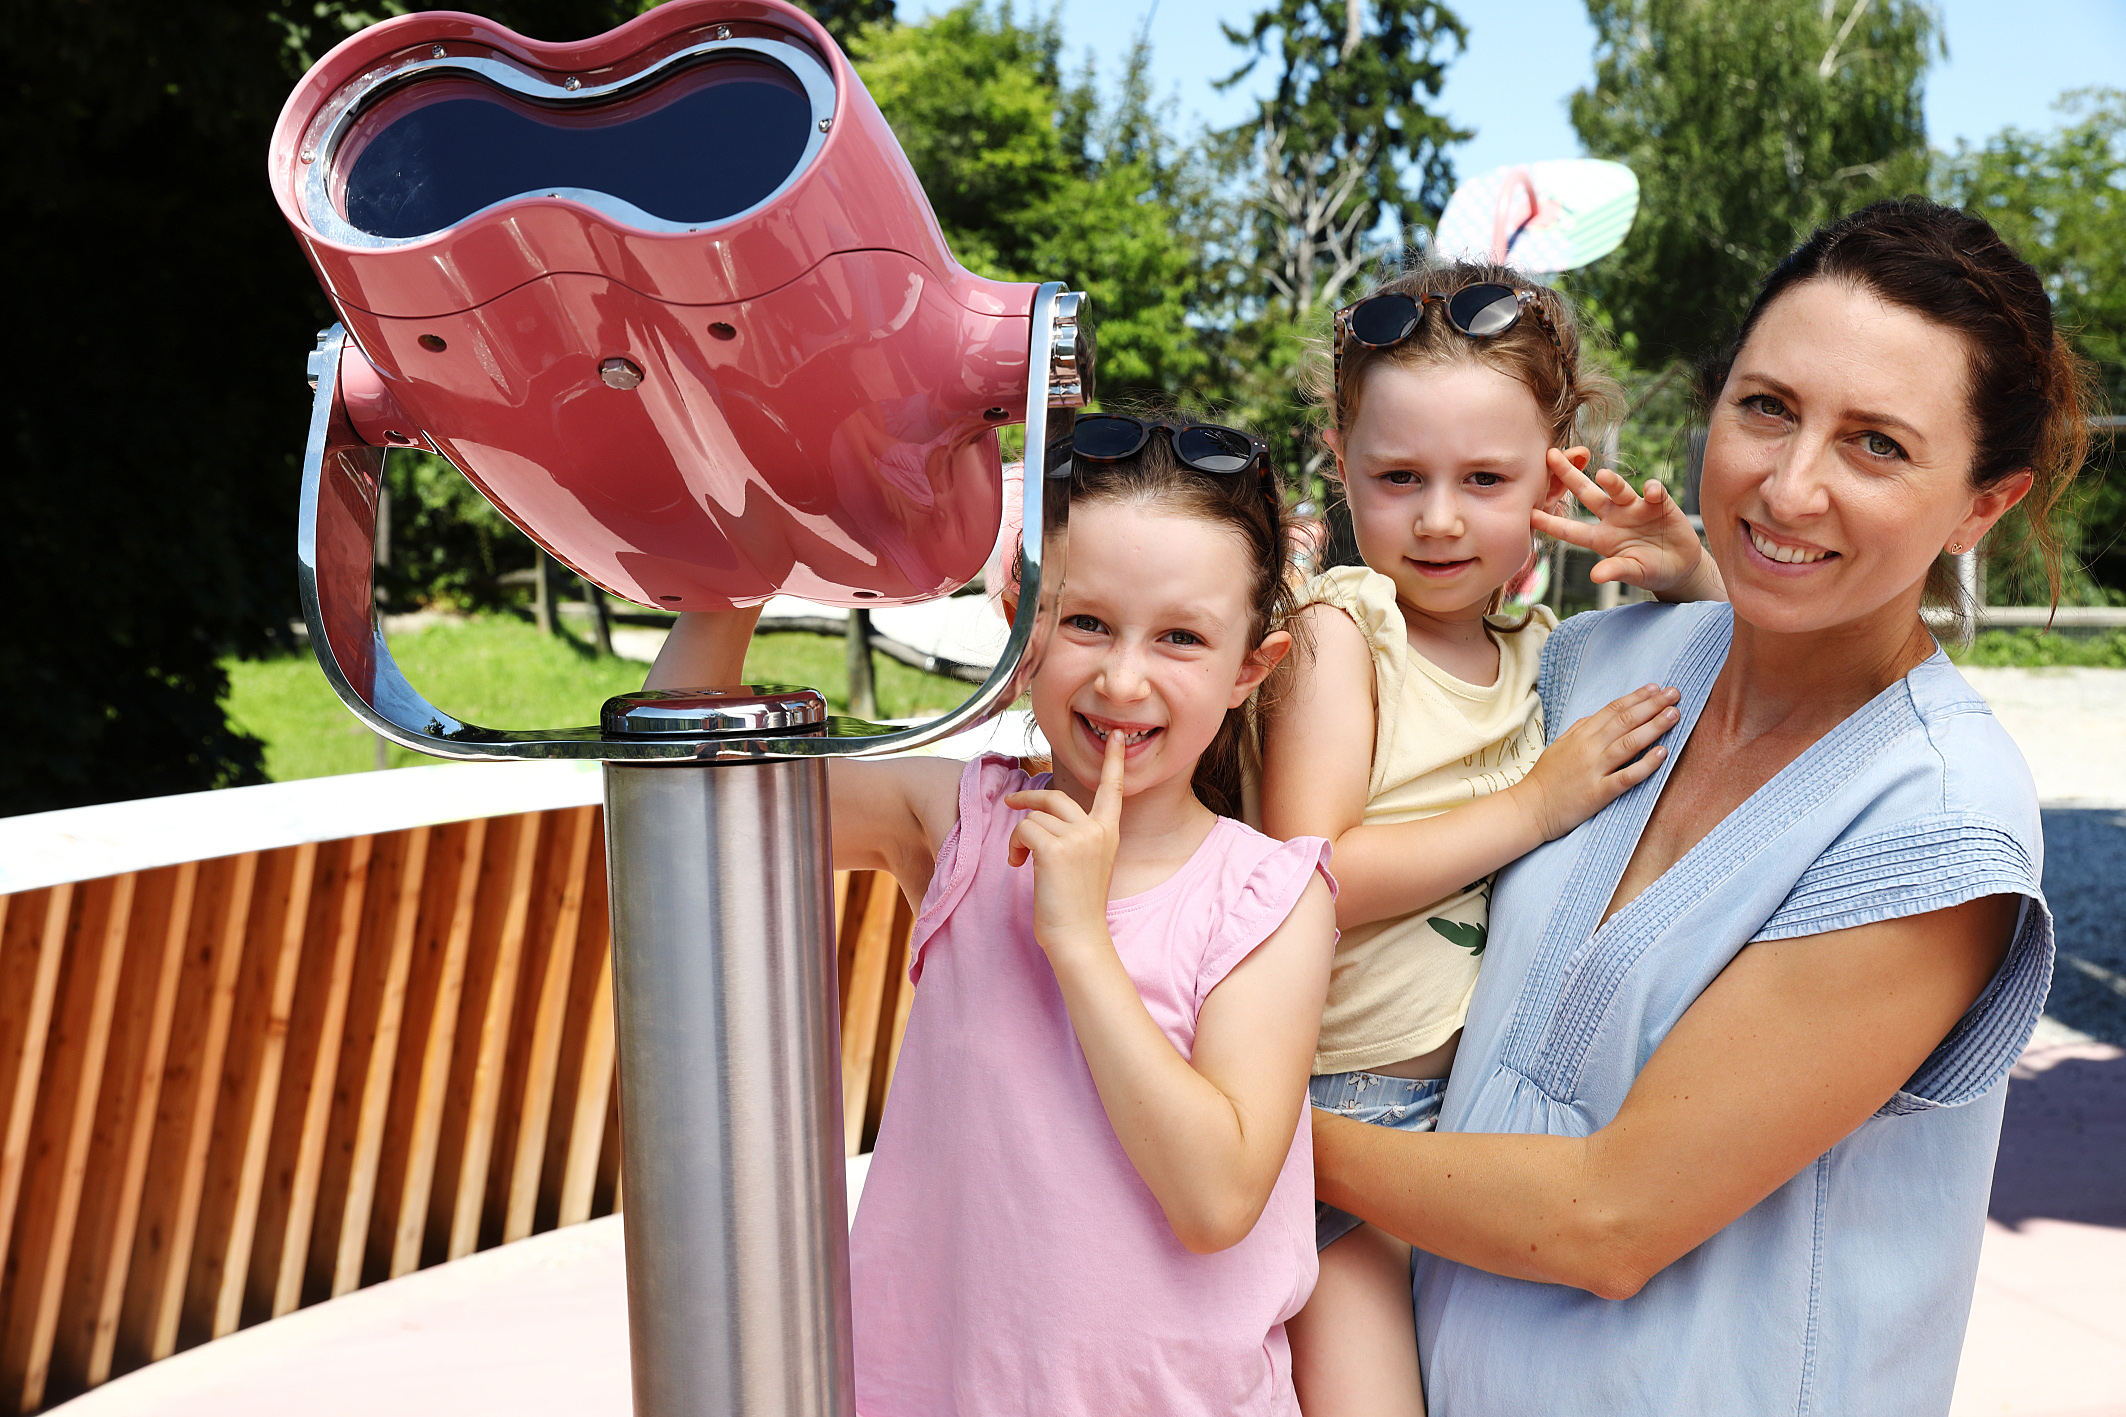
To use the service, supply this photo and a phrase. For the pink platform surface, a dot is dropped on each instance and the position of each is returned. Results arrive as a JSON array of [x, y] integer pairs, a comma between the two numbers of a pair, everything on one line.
[[539, 1328]]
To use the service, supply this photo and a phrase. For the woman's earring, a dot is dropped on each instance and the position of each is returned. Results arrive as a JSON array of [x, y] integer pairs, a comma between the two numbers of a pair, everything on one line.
[[1955, 550]]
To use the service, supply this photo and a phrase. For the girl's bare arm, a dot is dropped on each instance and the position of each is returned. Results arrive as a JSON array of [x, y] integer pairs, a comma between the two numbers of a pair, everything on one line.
[[1317, 770], [1643, 541], [1795, 1045], [886, 816], [1208, 1133]]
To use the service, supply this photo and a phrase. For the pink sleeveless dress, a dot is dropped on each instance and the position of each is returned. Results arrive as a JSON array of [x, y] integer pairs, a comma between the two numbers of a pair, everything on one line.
[[1007, 1259]]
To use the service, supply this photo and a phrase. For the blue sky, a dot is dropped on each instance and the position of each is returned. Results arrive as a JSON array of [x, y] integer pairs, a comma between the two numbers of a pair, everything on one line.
[[2008, 61]]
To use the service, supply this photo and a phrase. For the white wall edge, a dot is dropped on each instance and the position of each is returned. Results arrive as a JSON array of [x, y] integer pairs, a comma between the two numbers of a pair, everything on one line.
[[84, 843]]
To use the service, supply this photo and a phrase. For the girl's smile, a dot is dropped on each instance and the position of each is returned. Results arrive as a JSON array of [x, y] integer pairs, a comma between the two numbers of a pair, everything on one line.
[[1135, 736], [1152, 643]]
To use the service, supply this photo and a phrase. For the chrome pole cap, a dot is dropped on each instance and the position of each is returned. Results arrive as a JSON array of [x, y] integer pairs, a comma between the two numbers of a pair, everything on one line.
[[702, 713]]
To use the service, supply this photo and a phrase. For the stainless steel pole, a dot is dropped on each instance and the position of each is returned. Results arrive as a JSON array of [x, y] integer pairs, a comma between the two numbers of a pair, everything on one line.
[[730, 1101]]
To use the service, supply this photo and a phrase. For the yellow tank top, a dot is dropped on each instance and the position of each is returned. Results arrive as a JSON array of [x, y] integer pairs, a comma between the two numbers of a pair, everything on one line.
[[1400, 988]]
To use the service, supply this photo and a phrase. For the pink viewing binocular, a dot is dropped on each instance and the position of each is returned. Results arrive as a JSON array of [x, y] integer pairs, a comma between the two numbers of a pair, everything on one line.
[[673, 300]]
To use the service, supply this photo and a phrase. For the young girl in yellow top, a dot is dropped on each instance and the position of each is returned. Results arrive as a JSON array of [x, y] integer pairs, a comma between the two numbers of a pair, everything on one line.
[[1414, 739]]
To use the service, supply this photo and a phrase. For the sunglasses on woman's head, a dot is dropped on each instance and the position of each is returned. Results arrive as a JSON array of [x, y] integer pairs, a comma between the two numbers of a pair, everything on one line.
[[1478, 311], [1204, 447]]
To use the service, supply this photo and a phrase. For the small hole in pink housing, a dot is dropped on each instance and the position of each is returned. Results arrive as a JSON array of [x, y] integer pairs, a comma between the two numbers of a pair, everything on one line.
[[720, 330], [673, 598], [434, 344]]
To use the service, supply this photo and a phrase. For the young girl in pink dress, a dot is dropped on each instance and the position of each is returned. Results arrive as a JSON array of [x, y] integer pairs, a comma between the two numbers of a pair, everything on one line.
[[1092, 1191]]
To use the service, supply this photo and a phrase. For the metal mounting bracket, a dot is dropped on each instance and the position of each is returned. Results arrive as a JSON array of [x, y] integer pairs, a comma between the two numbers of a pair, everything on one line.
[[336, 565]]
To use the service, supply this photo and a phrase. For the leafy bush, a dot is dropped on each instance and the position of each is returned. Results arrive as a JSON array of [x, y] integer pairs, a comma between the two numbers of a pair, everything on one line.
[[2036, 649], [449, 546]]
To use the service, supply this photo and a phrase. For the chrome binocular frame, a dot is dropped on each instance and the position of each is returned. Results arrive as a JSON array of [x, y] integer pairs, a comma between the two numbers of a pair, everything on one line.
[[336, 567]]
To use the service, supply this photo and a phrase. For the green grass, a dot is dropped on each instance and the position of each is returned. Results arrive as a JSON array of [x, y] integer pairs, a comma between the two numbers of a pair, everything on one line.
[[500, 672], [2037, 649]]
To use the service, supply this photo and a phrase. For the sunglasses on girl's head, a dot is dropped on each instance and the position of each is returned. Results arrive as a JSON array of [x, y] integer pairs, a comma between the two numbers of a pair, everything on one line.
[[1205, 447], [1478, 311]]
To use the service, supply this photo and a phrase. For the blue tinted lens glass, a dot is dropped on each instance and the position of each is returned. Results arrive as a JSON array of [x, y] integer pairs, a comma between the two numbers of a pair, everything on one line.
[[698, 146]]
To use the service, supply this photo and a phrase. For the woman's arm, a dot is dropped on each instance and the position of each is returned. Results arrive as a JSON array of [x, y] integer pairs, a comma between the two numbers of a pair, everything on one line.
[[1208, 1134], [1795, 1045], [1317, 772], [886, 816]]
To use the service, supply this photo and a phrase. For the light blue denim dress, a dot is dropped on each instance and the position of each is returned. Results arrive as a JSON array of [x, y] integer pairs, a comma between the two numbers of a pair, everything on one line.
[[1847, 1289]]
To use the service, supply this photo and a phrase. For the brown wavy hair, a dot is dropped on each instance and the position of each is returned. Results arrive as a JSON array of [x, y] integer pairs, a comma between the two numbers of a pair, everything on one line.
[[1154, 478], [2026, 393], [1576, 399]]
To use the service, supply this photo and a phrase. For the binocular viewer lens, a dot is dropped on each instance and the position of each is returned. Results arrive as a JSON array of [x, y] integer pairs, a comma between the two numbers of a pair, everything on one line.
[[693, 146]]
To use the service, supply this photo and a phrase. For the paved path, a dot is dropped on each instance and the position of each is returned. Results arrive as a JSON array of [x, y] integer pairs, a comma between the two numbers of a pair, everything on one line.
[[2071, 726]]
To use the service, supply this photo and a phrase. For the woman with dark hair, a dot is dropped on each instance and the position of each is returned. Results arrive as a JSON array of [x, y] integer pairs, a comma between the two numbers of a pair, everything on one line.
[[1720, 1133]]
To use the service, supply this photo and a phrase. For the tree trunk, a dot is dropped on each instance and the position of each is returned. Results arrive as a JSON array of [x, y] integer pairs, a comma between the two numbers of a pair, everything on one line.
[[863, 694], [545, 601], [601, 623]]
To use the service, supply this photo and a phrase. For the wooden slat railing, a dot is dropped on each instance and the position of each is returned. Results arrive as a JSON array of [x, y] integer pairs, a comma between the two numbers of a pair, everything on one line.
[[240, 1085]]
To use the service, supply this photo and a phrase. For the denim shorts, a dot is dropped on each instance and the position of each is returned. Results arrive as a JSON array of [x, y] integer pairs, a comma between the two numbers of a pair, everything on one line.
[[1406, 1104]]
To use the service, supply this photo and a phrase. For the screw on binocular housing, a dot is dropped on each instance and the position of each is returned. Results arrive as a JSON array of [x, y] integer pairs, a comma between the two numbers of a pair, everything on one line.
[[674, 301]]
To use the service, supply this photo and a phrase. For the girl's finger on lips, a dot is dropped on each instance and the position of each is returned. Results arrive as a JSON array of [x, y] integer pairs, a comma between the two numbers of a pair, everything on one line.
[[1107, 798]]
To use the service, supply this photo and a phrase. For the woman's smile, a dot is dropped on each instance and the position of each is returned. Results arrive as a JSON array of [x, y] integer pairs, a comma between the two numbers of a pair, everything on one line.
[[1783, 554]]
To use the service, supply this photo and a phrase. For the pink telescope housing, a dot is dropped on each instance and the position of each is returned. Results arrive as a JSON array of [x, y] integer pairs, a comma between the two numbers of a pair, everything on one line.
[[673, 300]]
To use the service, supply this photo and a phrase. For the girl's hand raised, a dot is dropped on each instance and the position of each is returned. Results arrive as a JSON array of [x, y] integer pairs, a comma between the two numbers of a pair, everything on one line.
[[1643, 541], [1597, 760], [1073, 856]]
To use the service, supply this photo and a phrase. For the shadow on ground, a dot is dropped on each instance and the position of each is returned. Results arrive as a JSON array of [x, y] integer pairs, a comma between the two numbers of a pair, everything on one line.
[[2063, 1146], [2085, 881], [2063, 1143]]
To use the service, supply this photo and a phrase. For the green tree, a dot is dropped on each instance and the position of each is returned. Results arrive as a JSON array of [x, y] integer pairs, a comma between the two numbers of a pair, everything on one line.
[[1748, 125], [846, 20], [1037, 177], [2060, 199], [1343, 159], [1348, 119]]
